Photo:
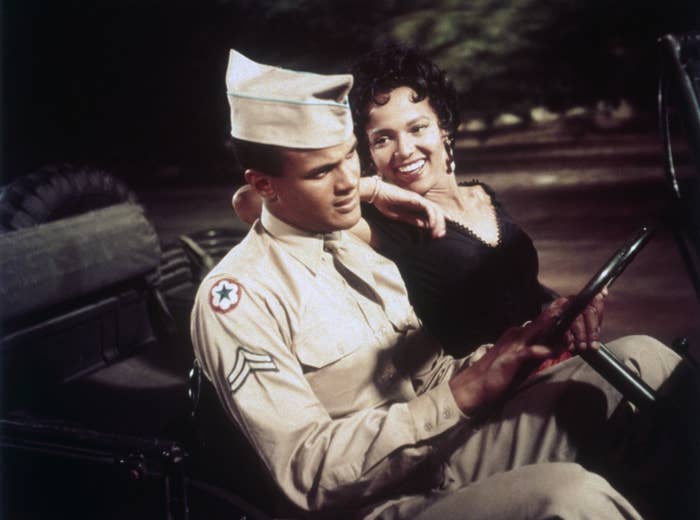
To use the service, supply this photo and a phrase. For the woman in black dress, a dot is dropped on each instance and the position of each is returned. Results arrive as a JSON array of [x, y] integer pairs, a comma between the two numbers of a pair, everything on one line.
[[481, 276]]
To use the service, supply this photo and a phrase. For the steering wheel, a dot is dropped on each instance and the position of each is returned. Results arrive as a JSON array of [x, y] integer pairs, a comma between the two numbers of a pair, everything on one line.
[[679, 89], [603, 278], [602, 359]]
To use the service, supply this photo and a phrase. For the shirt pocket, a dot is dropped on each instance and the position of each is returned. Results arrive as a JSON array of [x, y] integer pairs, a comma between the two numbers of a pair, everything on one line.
[[326, 339], [338, 374], [339, 362]]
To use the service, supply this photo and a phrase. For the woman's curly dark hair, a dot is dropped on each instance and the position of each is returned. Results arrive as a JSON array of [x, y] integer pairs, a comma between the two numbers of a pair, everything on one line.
[[381, 71]]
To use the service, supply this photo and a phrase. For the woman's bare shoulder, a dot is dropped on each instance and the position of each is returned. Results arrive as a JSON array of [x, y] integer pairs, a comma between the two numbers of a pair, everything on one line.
[[478, 190]]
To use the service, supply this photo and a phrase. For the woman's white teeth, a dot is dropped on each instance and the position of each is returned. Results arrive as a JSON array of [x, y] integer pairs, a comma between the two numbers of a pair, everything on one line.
[[409, 168]]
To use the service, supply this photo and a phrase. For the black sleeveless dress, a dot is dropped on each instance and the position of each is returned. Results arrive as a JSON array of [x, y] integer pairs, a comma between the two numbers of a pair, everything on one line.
[[465, 292]]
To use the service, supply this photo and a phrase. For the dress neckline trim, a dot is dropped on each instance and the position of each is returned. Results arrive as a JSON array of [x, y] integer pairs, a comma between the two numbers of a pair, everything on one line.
[[496, 216]]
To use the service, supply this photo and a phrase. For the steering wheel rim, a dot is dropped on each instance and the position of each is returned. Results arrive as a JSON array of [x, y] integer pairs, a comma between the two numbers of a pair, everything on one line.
[[605, 276]]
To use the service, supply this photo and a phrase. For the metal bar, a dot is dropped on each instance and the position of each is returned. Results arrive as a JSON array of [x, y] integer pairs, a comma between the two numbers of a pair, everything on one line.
[[176, 492], [665, 129], [629, 384], [691, 111]]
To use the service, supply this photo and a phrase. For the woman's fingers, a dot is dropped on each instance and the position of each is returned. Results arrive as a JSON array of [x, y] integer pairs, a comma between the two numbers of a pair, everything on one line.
[[436, 218], [599, 305], [592, 324], [586, 329]]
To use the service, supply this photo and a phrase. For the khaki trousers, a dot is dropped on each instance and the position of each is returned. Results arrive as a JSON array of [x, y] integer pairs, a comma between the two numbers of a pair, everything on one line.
[[521, 463]]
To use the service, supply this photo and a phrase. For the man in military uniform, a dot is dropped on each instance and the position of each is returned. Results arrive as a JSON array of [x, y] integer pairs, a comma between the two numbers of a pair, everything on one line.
[[316, 354]]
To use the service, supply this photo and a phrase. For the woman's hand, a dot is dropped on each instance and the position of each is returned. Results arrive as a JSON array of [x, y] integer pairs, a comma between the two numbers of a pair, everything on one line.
[[489, 378], [584, 332], [406, 206]]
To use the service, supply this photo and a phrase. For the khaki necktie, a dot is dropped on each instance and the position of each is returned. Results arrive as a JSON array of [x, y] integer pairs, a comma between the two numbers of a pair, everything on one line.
[[350, 266]]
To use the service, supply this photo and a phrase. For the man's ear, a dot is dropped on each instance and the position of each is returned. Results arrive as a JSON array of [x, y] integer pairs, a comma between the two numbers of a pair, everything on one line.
[[261, 183]]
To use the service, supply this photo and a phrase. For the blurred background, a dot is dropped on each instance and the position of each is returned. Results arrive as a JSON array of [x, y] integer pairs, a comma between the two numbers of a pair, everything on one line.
[[138, 85]]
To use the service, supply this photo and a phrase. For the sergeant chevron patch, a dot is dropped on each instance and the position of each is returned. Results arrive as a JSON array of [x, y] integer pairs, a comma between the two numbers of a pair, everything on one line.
[[247, 362]]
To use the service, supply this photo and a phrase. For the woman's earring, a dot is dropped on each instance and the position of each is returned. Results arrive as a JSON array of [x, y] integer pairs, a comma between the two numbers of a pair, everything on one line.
[[450, 168]]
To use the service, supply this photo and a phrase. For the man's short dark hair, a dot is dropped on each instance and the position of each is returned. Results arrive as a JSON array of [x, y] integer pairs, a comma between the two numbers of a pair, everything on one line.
[[265, 158]]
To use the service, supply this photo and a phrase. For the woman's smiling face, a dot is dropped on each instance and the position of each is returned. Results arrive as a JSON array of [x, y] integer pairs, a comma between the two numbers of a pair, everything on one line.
[[406, 141]]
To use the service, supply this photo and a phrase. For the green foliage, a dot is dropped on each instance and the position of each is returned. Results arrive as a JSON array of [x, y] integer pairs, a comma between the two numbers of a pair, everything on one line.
[[502, 55], [510, 55]]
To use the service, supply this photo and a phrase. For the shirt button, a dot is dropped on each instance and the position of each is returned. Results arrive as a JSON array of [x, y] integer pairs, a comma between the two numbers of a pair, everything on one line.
[[341, 349], [428, 426], [447, 413]]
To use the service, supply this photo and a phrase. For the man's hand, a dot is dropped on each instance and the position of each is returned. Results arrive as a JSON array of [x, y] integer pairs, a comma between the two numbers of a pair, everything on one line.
[[489, 378], [406, 206]]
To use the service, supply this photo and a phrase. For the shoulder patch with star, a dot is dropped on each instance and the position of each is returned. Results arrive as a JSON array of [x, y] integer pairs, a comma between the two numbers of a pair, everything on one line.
[[225, 295]]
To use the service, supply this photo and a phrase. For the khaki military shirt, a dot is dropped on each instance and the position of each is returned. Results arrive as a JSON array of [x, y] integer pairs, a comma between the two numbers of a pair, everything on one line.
[[336, 390]]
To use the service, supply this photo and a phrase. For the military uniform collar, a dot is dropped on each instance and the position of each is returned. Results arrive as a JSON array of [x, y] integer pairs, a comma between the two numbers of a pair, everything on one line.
[[305, 246]]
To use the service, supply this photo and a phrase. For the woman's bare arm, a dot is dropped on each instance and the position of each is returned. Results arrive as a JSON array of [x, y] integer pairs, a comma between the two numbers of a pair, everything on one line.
[[392, 201]]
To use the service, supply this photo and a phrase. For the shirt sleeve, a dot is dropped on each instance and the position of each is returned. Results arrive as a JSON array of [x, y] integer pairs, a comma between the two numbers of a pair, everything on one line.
[[318, 461]]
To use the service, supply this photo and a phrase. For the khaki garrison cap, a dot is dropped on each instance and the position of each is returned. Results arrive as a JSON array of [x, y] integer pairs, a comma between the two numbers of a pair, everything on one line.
[[286, 108]]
